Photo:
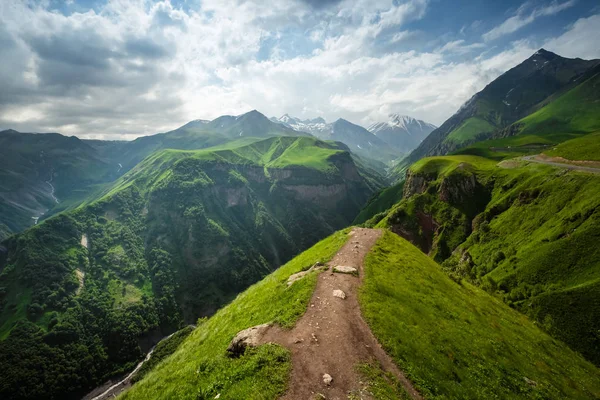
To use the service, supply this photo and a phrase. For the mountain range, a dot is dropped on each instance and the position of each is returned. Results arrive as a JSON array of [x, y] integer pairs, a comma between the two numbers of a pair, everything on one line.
[[402, 132], [260, 250], [384, 141], [517, 93]]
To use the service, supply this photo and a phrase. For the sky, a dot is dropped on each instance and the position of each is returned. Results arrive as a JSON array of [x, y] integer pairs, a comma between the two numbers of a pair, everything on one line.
[[119, 69]]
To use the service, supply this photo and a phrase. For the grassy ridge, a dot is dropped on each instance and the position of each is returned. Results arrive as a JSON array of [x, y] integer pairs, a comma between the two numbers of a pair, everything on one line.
[[200, 368], [568, 117], [456, 341], [524, 231], [574, 112], [581, 148]]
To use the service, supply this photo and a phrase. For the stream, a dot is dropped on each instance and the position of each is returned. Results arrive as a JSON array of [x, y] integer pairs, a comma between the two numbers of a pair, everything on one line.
[[49, 182], [124, 383]]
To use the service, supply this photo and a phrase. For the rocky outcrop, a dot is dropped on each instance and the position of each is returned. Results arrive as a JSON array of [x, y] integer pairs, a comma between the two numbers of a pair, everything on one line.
[[299, 275], [416, 183], [248, 337]]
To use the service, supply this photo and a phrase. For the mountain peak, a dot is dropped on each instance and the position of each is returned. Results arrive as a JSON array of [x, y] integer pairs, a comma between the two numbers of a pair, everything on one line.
[[254, 113], [544, 54]]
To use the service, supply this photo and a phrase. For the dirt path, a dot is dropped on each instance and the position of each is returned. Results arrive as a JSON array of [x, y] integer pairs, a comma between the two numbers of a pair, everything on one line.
[[549, 161], [332, 337]]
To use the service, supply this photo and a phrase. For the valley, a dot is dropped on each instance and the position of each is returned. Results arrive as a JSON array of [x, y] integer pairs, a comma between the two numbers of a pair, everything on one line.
[[247, 257]]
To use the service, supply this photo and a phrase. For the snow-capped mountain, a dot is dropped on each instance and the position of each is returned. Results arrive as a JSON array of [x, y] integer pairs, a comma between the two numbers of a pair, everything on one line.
[[402, 132], [316, 126], [357, 138]]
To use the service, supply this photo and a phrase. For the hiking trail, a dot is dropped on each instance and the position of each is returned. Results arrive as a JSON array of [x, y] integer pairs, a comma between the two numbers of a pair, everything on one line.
[[331, 337]]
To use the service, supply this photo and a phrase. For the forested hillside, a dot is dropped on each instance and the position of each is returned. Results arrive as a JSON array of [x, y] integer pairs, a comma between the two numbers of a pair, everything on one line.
[[174, 239]]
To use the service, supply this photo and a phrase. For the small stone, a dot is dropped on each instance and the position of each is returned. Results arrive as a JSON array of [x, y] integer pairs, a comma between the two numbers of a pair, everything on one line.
[[327, 379], [339, 293], [530, 382], [298, 340], [345, 270]]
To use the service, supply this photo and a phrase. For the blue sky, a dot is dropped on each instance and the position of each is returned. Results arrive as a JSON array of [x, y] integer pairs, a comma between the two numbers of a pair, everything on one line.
[[124, 68]]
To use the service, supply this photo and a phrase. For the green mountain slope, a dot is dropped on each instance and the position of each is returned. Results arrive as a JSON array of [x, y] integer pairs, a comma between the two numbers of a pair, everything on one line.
[[453, 340], [456, 341], [197, 134], [523, 231], [40, 173], [585, 148], [33, 165], [512, 96], [565, 116], [201, 368], [174, 239]]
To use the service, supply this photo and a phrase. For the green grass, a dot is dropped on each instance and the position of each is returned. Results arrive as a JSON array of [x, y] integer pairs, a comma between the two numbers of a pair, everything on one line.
[[456, 341], [380, 384], [442, 165], [469, 129], [581, 148], [527, 231], [515, 146], [576, 111], [200, 367]]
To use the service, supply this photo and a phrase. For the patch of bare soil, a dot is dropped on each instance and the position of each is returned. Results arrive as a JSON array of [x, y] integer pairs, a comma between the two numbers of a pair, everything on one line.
[[583, 166], [562, 160], [332, 337]]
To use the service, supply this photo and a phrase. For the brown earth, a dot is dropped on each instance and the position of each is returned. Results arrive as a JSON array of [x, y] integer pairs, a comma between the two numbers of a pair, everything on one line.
[[332, 337], [583, 166]]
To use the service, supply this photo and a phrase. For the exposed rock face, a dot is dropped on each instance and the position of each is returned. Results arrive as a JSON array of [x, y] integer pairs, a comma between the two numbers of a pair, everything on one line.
[[247, 337], [416, 183]]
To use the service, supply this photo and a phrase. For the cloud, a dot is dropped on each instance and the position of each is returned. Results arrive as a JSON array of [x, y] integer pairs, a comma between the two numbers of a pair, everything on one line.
[[459, 47], [522, 18], [132, 67], [402, 36], [580, 40]]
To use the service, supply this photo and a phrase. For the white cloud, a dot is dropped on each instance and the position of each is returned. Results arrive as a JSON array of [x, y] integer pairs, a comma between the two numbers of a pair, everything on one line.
[[132, 69], [522, 18], [580, 40], [459, 47], [402, 36]]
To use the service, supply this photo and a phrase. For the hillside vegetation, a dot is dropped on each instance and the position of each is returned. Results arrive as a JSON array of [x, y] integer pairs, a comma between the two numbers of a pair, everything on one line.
[[546, 97], [566, 116], [452, 340], [173, 239], [525, 232], [41, 174], [201, 369], [456, 341]]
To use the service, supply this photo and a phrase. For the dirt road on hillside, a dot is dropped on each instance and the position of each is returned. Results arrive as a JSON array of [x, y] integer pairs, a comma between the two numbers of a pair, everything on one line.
[[555, 163], [332, 337]]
